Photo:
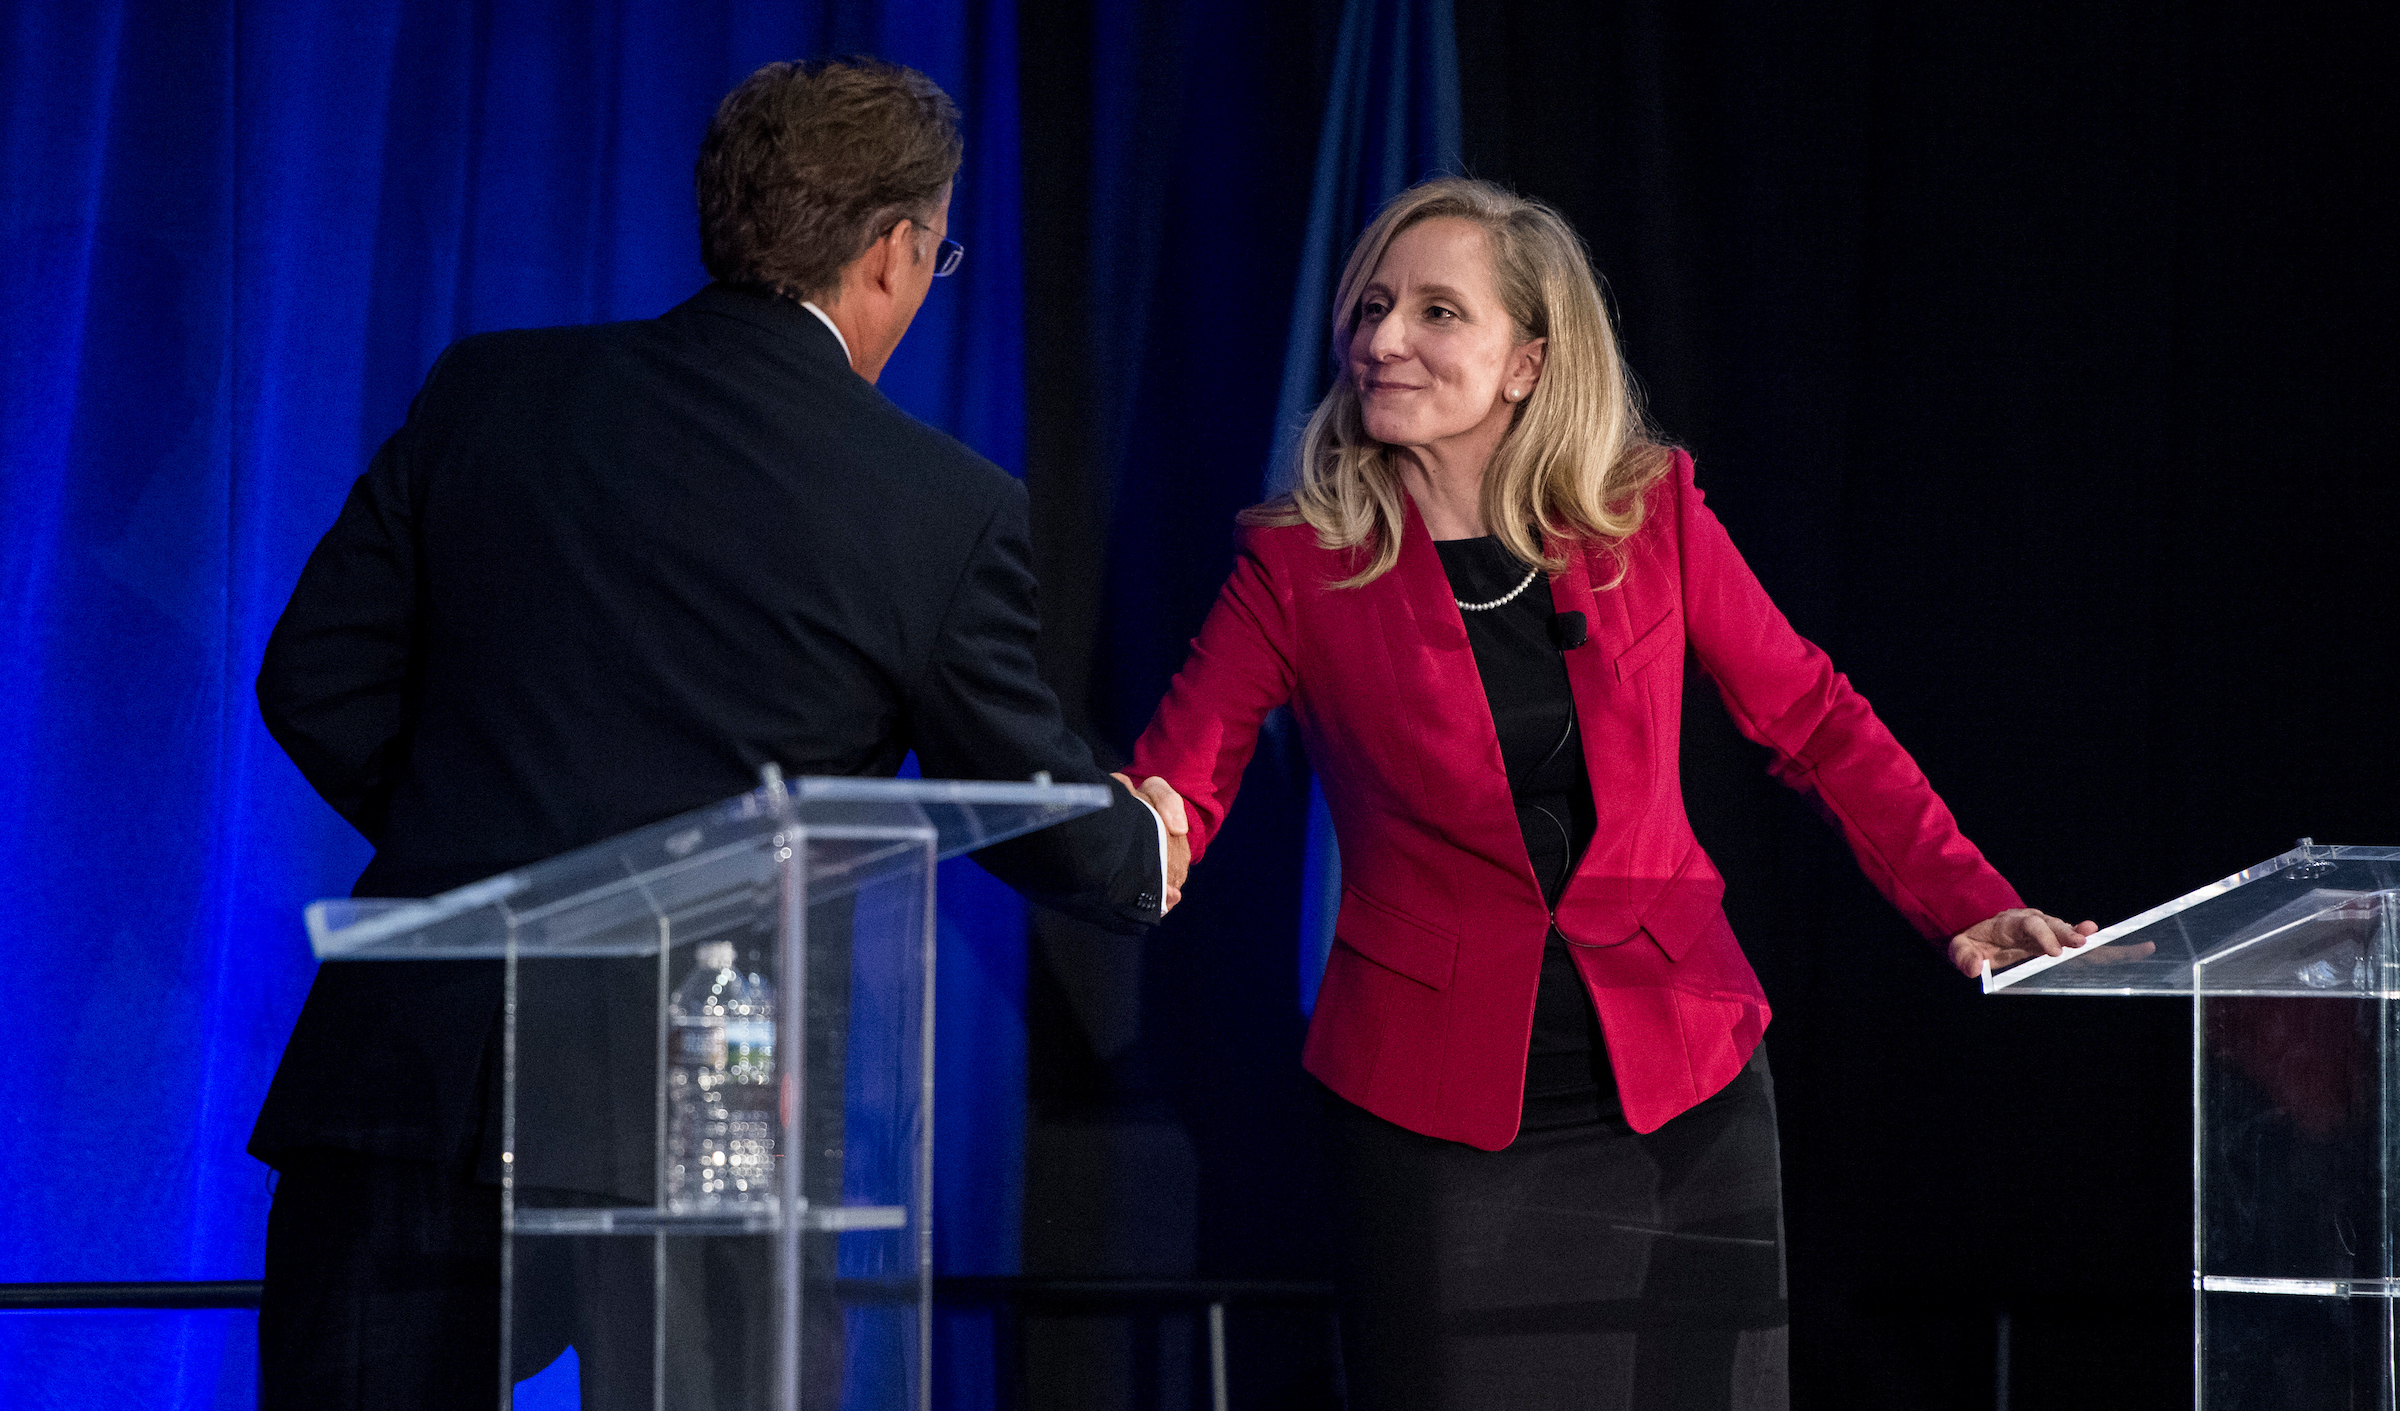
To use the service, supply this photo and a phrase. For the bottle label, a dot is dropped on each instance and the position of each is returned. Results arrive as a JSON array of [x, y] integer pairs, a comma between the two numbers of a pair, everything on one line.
[[700, 1043], [750, 1049]]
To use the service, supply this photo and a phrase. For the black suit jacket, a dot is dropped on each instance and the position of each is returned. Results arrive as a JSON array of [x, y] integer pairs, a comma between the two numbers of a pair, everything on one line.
[[599, 578]]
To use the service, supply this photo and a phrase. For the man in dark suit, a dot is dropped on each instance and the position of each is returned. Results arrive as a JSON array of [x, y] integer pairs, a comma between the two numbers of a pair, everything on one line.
[[602, 576]]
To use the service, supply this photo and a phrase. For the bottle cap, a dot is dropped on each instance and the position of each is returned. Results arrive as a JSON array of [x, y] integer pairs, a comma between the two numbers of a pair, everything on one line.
[[714, 955]]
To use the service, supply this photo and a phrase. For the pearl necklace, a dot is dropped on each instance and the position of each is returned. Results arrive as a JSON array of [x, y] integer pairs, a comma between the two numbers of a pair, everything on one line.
[[1503, 599]]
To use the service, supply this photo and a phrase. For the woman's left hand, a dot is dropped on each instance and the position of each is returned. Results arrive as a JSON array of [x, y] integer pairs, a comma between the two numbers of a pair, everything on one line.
[[2018, 934]]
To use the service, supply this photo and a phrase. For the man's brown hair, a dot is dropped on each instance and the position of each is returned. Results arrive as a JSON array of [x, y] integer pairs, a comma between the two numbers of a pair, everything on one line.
[[806, 165]]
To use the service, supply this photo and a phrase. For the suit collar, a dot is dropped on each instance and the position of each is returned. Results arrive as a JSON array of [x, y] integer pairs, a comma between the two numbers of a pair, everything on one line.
[[827, 319], [778, 315]]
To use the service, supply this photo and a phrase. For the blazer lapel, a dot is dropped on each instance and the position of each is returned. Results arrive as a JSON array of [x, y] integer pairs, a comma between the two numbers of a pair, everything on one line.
[[1433, 664], [1616, 723]]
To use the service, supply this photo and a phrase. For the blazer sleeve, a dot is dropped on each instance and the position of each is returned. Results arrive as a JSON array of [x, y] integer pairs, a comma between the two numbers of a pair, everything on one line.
[[1784, 694], [337, 683], [981, 710], [1240, 667]]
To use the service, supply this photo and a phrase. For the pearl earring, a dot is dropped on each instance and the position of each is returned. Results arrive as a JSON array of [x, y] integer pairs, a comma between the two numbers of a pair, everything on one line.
[[1513, 394]]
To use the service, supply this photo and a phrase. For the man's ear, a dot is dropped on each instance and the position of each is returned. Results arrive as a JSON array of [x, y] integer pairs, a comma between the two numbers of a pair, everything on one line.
[[887, 257]]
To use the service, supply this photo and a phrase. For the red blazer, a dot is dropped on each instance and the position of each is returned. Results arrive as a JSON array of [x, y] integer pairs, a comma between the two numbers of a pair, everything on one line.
[[1427, 1004]]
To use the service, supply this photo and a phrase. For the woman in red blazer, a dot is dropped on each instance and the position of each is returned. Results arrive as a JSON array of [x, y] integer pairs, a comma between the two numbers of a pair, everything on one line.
[[1477, 603]]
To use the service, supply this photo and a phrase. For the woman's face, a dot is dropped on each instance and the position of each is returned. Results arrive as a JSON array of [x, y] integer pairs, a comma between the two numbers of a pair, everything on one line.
[[1435, 356]]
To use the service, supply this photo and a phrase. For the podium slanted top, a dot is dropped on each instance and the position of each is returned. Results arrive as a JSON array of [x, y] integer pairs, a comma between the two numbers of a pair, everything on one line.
[[2317, 921], [622, 895]]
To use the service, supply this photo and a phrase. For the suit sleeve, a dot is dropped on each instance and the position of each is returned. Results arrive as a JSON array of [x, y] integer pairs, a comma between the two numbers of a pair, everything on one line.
[[1240, 667], [1783, 693], [337, 684], [982, 711]]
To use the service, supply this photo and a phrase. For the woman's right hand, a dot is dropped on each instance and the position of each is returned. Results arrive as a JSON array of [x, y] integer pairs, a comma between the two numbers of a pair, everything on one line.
[[1168, 805]]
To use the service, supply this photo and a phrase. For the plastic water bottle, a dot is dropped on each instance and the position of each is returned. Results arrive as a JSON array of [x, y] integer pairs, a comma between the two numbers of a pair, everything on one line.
[[721, 1090]]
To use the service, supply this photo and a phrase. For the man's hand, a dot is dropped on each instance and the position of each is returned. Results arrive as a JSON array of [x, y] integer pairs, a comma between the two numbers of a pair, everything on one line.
[[1168, 805], [2014, 935]]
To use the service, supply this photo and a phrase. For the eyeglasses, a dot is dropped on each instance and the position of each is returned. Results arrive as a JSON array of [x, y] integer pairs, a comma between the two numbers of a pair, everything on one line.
[[946, 256]]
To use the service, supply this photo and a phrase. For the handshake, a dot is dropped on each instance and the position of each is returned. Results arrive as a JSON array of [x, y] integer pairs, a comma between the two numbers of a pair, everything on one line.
[[1168, 805]]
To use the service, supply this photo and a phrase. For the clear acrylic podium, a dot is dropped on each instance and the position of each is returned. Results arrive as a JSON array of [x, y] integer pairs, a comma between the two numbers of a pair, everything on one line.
[[2293, 967], [715, 1093]]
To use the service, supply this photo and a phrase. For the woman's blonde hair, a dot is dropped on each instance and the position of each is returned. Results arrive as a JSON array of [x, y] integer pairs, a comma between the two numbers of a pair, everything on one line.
[[1578, 454]]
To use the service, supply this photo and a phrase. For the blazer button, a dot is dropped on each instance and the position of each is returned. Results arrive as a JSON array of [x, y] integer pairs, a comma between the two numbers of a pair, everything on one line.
[[1147, 901]]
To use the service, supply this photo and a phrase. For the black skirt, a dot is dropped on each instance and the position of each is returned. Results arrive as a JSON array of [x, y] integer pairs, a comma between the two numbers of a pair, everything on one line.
[[1585, 1266]]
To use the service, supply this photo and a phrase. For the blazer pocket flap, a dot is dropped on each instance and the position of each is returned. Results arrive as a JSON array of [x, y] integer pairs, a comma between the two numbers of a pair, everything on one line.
[[1657, 638], [1396, 940], [1690, 905]]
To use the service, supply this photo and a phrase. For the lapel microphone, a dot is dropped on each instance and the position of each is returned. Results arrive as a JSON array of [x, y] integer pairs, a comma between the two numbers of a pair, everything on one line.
[[1567, 630]]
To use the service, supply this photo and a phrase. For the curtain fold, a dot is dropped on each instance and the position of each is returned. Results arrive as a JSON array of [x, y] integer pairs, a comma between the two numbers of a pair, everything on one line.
[[1392, 118], [1169, 1129]]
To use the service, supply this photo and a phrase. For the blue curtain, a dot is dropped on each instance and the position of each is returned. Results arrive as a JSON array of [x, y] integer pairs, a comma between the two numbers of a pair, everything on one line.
[[1391, 119], [237, 232]]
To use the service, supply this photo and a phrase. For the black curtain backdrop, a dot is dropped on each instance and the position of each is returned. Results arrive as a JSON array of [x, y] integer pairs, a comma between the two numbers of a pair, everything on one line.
[[2033, 354]]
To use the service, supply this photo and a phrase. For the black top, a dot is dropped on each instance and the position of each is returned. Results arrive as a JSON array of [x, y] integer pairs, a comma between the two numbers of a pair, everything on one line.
[[599, 578], [1533, 710]]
